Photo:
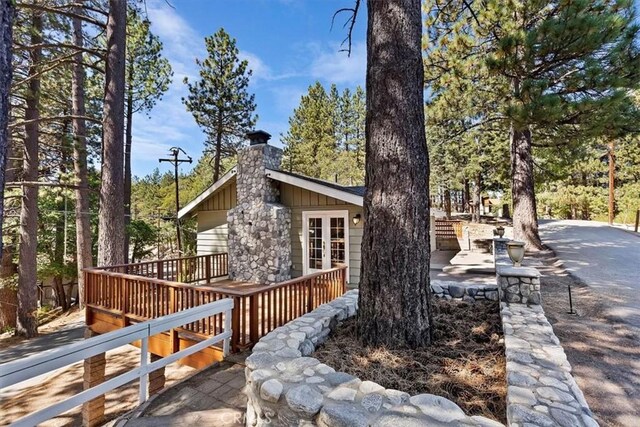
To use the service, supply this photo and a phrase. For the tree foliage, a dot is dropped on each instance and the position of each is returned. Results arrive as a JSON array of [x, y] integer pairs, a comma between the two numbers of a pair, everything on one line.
[[553, 73], [219, 100], [326, 135]]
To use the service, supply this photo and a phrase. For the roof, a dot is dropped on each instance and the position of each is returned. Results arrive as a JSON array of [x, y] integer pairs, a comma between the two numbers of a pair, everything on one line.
[[353, 195], [357, 190]]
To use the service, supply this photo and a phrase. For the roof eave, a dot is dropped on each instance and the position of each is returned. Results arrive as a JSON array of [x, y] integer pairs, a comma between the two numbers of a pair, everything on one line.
[[346, 196], [208, 192]]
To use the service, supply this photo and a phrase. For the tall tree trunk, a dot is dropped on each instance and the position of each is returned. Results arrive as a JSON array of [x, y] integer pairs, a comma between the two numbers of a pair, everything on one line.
[[447, 203], [216, 165], [84, 256], [477, 199], [27, 324], [465, 196], [7, 10], [525, 217], [395, 306], [8, 268], [612, 181], [127, 165], [111, 231], [8, 294], [58, 257]]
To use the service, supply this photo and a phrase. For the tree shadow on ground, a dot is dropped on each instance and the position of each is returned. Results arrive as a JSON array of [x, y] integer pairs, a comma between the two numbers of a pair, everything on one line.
[[604, 351]]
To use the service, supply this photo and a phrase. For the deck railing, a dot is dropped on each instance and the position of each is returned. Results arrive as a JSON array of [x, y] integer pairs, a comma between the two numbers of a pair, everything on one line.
[[185, 270], [448, 228], [258, 309], [24, 369]]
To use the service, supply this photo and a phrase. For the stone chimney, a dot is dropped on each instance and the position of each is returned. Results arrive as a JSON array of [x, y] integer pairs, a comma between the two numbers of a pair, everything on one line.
[[259, 226]]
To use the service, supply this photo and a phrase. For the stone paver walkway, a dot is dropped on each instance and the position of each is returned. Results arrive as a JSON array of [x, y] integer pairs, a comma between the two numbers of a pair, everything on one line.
[[214, 396]]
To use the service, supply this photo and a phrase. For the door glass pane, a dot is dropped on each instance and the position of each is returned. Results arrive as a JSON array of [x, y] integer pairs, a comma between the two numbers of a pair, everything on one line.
[[315, 243], [337, 242]]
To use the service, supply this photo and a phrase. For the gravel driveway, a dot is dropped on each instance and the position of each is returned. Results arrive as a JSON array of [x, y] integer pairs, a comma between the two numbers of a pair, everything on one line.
[[603, 340]]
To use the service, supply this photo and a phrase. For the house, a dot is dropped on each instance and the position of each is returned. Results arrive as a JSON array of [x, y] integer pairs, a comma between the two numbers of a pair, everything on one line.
[[275, 224]]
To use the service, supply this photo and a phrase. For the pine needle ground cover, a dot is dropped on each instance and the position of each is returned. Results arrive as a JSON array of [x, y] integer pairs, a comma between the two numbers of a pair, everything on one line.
[[465, 364]]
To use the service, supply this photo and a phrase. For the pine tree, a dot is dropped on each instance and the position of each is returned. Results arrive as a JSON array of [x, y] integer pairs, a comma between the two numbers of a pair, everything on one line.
[[326, 135], [395, 303], [219, 101], [27, 324], [7, 10], [148, 76], [311, 139], [84, 258], [555, 83], [512, 63], [111, 231]]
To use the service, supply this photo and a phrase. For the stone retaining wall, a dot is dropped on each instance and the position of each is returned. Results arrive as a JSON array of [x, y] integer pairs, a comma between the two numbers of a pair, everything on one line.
[[469, 293], [518, 284], [540, 388], [285, 387]]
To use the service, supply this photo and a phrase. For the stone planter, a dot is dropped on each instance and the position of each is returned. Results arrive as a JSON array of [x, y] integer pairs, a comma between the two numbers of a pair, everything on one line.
[[286, 387]]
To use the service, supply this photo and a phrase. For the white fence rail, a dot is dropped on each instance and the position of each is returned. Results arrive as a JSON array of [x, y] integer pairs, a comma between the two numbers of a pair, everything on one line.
[[21, 370]]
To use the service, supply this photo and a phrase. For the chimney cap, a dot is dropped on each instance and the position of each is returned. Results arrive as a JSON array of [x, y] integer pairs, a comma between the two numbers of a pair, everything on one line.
[[258, 137]]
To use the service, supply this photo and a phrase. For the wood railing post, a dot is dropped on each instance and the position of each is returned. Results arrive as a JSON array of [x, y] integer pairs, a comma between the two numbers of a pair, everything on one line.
[[174, 340], [207, 267], [253, 319], [312, 286], [637, 220], [235, 325], [343, 275], [123, 300], [160, 270]]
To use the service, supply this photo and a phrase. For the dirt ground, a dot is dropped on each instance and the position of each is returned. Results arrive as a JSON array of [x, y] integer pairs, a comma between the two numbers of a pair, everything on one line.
[[74, 315], [466, 364], [604, 354], [68, 381]]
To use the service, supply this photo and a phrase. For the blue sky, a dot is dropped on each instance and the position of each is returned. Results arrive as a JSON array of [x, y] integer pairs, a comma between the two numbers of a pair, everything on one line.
[[289, 45]]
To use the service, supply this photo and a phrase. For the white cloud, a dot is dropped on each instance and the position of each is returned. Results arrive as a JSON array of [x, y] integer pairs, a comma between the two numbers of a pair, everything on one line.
[[286, 98], [334, 66], [169, 123], [261, 71]]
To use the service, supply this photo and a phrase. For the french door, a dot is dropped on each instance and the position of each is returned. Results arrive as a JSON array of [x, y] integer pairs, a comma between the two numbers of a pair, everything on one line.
[[326, 240]]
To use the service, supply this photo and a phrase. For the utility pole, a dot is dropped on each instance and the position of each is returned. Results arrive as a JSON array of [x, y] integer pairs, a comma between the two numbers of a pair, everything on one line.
[[612, 179], [175, 161]]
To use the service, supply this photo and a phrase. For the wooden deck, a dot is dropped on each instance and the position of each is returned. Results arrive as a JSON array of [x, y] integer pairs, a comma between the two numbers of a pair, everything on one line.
[[118, 296]]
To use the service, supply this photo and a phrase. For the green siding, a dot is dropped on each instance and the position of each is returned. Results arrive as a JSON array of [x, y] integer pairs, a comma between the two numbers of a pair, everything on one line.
[[212, 232], [301, 200]]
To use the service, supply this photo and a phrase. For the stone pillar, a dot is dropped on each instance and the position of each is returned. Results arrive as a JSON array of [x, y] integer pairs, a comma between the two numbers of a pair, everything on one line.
[[94, 370], [500, 255], [157, 378], [519, 285], [259, 226]]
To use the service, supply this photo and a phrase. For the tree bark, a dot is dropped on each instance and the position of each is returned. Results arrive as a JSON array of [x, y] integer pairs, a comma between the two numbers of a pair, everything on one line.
[[525, 217], [465, 196], [612, 181], [216, 165], [395, 308], [111, 231], [447, 203], [27, 324], [477, 199], [58, 256], [127, 164], [8, 268], [7, 10], [84, 256]]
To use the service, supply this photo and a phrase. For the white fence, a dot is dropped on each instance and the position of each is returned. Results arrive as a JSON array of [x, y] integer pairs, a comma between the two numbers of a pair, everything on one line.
[[21, 370]]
